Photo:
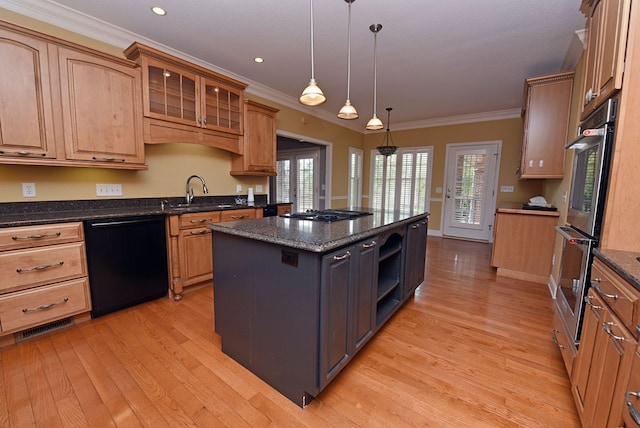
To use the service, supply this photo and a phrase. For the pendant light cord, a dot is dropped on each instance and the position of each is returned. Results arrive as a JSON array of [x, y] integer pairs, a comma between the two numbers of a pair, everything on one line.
[[349, 56], [375, 72], [312, 65]]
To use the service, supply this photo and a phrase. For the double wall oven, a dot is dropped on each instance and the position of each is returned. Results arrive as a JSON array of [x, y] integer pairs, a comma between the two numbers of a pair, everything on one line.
[[592, 159]]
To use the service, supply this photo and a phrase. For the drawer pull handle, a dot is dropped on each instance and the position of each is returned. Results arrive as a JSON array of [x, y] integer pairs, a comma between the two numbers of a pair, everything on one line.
[[635, 413], [601, 292], [554, 336], [369, 245], [46, 306], [37, 236], [108, 159], [198, 232], [38, 268], [606, 326], [587, 300], [202, 220], [238, 217], [342, 257], [22, 153]]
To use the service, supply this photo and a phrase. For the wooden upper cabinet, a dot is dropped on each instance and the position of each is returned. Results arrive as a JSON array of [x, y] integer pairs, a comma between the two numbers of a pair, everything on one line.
[[546, 125], [102, 109], [26, 112], [608, 25], [66, 105], [259, 142], [186, 103]]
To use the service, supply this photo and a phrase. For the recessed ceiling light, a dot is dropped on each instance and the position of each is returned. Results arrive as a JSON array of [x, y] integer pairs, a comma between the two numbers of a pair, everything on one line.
[[158, 10], [258, 60]]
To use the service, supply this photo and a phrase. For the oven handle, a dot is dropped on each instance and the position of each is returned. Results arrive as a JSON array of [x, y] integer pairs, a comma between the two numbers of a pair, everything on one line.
[[572, 239]]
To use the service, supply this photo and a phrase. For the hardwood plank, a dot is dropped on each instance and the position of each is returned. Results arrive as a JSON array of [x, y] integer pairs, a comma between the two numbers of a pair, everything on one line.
[[470, 349]]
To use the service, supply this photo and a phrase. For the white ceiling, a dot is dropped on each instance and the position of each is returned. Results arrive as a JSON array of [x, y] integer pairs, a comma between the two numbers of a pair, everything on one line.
[[438, 61]]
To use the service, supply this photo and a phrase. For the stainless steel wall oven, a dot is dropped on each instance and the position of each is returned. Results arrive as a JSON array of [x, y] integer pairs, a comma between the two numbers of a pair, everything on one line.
[[590, 175]]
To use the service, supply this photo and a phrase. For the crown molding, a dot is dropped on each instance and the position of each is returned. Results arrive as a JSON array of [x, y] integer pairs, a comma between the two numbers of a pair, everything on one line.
[[89, 26]]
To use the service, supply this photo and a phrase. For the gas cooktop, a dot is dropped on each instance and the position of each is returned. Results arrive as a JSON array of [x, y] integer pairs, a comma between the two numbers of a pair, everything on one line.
[[327, 216]]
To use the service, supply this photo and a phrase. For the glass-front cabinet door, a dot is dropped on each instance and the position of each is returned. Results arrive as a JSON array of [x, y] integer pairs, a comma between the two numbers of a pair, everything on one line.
[[172, 94], [221, 106]]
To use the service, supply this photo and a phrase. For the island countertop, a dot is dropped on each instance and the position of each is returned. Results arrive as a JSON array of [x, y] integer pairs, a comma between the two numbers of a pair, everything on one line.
[[316, 236]]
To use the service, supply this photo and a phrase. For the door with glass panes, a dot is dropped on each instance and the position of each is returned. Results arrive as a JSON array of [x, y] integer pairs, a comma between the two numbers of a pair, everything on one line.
[[470, 190], [297, 179]]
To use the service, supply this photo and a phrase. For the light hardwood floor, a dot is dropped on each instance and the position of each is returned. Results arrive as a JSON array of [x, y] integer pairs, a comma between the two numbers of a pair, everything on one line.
[[469, 350]]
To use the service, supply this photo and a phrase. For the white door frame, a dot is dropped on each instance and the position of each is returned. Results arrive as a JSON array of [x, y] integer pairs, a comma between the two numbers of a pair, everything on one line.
[[491, 188]]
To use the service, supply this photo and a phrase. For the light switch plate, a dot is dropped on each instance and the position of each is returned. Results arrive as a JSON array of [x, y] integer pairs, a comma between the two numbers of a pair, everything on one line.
[[258, 188], [506, 189], [108, 189]]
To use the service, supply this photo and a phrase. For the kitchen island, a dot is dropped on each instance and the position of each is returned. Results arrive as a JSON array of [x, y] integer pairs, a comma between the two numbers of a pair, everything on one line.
[[295, 300]]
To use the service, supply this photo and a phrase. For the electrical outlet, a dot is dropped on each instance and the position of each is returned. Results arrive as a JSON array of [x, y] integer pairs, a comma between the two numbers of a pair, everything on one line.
[[29, 190], [108, 189], [238, 188], [258, 188]]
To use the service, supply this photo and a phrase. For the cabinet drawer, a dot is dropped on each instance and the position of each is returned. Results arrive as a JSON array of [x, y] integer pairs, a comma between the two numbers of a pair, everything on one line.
[[235, 215], [43, 265], [29, 308], [618, 295], [13, 238], [564, 342], [198, 219]]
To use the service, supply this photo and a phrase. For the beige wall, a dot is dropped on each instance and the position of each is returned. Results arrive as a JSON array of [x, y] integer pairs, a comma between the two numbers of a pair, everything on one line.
[[509, 131]]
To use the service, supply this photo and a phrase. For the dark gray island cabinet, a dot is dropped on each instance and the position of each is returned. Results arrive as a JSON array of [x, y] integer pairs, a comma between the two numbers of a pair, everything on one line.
[[295, 300]]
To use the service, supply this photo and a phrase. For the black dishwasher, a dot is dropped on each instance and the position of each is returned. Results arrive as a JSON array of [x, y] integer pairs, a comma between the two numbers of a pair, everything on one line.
[[127, 262]]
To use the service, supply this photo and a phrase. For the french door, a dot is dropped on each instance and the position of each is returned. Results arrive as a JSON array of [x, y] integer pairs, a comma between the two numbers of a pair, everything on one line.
[[470, 190], [297, 179]]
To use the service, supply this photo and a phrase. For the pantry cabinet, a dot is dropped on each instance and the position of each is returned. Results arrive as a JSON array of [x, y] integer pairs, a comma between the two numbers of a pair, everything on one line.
[[186, 103], [70, 106], [546, 125], [43, 277], [607, 29], [258, 157]]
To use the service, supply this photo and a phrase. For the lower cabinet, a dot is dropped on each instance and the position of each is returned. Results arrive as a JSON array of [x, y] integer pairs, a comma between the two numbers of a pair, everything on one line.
[[631, 408], [43, 277], [346, 305], [607, 349], [416, 256]]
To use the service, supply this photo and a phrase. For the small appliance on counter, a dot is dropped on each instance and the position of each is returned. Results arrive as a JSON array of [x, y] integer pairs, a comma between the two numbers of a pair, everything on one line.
[[538, 203]]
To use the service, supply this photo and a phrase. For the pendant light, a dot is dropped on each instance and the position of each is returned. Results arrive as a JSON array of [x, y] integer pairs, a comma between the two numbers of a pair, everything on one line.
[[312, 94], [375, 123], [348, 111], [386, 149]]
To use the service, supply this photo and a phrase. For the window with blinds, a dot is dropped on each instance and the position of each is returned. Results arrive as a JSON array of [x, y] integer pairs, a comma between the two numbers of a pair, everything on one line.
[[354, 190], [305, 184], [401, 181], [283, 180]]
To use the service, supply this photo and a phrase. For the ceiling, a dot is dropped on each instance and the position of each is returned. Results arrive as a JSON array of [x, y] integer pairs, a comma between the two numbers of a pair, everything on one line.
[[437, 61]]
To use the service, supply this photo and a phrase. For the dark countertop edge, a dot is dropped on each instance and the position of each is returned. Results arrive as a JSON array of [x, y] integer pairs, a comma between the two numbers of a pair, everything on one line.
[[229, 229], [624, 263], [14, 214]]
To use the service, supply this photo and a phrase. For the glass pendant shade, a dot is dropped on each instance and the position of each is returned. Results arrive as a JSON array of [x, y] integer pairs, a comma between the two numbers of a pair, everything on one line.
[[375, 123], [348, 111], [312, 94]]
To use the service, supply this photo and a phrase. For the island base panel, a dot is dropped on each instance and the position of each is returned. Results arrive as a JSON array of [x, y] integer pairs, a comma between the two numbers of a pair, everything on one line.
[[267, 311]]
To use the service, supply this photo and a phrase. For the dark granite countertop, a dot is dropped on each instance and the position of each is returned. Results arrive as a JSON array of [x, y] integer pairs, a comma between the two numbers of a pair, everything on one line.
[[316, 236], [33, 213], [624, 263]]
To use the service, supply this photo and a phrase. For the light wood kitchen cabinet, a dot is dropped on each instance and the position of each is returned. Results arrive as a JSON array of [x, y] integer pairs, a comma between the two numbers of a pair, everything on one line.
[[258, 157], [102, 109], [607, 348], [284, 209], [523, 242], [72, 106], [43, 277], [607, 28], [27, 131], [631, 408], [546, 125], [186, 103], [190, 249]]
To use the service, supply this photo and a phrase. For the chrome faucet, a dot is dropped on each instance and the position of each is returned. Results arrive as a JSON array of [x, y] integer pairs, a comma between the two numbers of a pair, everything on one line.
[[189, 196]]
